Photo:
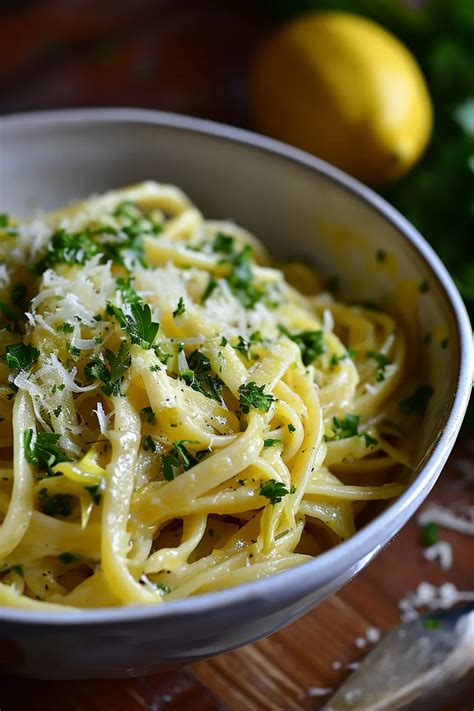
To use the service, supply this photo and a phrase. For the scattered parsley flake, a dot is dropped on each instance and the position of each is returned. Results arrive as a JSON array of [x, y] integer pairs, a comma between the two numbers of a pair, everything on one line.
[[94, 491], [291, 427], [252, 395], [269, 442], [310, 343], [68, 558], [150, 444], [112, 376], [178, 458], [199, 376], [148, 414], [43, 450], [223, 243], [20, 356], [211, 285], [274, 491], [429, 534], [56, 505], [418, 401], [180, 308]]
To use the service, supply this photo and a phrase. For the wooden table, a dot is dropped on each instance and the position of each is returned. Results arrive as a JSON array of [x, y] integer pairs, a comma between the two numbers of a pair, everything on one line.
[[192, 56]]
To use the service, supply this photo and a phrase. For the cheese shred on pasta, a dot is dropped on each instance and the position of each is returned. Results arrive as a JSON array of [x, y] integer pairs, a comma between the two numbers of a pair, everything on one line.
[[176, 417]]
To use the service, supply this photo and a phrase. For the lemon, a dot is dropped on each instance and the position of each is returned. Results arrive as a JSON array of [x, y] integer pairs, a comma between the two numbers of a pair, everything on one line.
[[342, 87]]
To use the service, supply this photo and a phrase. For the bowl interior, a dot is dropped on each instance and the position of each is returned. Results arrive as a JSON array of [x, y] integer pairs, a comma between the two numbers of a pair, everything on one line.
[[296, 210]]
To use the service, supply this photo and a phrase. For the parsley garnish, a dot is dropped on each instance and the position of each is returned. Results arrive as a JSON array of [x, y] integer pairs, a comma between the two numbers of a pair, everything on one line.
[[275, 490], [240, 279], [291, 427], [271, 442], [111, 377], [148, 414], [199, 376], [429, 534], [18, 569], [19, 356], [56, 505], [180, 308], [43, 450], [418, 401], [431, 623], [346, 427], [150, 444], [68, 558], [224, 341], [164, 589], [179, 458], [136, 322], [311, 343], [211, 285], [382, 361], [94, 491], [129, 295], [223, 243], [252, 395], [4, 219]]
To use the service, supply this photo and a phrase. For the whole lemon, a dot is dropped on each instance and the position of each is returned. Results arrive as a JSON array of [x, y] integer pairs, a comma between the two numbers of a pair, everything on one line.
[[342, 87]]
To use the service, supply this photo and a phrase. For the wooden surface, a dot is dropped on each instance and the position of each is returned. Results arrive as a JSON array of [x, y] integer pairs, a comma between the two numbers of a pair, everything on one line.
[[192, 56]]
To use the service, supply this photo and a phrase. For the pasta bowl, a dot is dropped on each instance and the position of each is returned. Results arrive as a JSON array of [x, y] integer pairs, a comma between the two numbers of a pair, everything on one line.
[[300, 207]]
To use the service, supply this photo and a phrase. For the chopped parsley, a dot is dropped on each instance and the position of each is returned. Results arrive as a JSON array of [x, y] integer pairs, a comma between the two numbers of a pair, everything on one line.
[[18, 569], [211, 285], [150, 444], [148, 414], [382, 361], [4, 219], [68, 558], [429, 534], [310, 343], [129, 295], [291, 427], [178, 459], [199, 376], [94, 492], [43, 450], [20, 356], [110, 370], [347, 427], [137, 322], [252, 395], [66, 327], [56, 505], [223, 243], [275, 490], [224, 341], [431, 623], [271, 442], [418, 401], [164, 589], [180, 308], [240, 279]]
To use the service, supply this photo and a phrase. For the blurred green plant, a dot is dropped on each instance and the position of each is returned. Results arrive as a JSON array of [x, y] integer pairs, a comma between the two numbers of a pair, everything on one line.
[[438, 194]]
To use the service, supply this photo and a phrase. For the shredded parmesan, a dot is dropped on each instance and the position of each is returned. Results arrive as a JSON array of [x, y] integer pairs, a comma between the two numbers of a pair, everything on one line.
[[442, 552], [434, 513]]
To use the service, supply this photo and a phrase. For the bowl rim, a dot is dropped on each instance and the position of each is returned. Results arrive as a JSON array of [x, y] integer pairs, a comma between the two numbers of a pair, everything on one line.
[[361, 544]]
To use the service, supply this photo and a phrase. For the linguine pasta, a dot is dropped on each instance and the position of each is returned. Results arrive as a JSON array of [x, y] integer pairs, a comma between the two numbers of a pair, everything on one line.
[[176, 417]]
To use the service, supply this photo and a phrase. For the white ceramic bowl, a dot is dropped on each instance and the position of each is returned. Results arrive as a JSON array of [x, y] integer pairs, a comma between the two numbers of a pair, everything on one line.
[[299, 206]]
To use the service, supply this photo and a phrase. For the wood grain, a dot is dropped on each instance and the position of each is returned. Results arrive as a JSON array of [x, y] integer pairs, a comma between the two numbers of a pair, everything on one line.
[[193, 56]]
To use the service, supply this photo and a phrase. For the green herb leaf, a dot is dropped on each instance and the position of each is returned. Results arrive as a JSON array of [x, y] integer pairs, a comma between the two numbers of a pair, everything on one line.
[[271, 442], [178, 458], [180, 308], [274, 491], [418, 401], [429, 534], [56, 505], [199, 376], [68, 558], [223, 243], [310, 343], [382, 361], [129, 295], [20, 356], [291, 427], [252, 395], [111, 377], [43, 450], [241, 277], [137, 322], [148, 414], [94, 491], [211, 285], [150, 444], [346, 427]]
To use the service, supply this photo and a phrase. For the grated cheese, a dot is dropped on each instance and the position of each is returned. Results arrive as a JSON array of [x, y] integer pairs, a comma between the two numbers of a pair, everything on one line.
[[442, 552], [434, 513]]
